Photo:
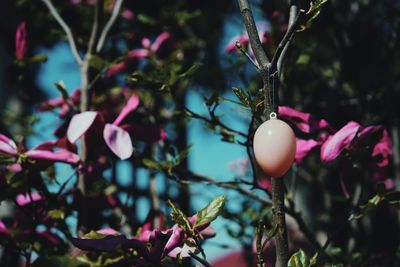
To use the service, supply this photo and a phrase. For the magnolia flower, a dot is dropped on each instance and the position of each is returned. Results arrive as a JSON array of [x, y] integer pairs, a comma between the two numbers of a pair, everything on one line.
[[42, 154], [152, 245], [19, 229], [21, 42], [139, 54], [351, 138], [64, 104], [116, 135]]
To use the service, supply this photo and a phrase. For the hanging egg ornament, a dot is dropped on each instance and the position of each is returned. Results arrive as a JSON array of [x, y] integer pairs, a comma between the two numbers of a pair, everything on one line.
[[274, 146]]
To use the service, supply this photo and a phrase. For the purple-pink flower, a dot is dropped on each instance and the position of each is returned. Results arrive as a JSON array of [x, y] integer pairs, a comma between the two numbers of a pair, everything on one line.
[[152, 245], [21, 43], [45, 153], [116, 135], [135, 55], [351, 138]]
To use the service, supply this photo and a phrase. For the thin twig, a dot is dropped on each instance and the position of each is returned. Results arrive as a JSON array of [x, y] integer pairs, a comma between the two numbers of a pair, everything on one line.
[[292, 16], [66, 29], [199, 259], [240, 48], [110, 23], [211, 121], [198, 178], [285, 42]]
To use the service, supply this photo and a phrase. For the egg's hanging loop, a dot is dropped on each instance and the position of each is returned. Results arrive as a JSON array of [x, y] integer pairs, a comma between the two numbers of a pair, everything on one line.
[[272, 115]]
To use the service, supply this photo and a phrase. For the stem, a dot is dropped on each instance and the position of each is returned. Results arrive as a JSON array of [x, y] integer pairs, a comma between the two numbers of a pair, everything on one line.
[[278, 210], [84, 106], [110, 23], [251, 28], [292, 16], [259, 53], [66, 29], [199, 259]]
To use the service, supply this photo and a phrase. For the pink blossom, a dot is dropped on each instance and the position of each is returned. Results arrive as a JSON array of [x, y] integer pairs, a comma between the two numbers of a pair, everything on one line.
[[21, 42], [116, 138], [341, 140], [139, 54], [305, 122], [44, 152], [64, 104], [27, 198], [304, 147]]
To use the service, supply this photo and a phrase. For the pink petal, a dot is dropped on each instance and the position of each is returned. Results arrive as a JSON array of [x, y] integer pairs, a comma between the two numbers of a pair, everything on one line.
[[50, 156], [174, 240], [305, 122], [182, 252], [131, 105], [303, 148], [138, 54], [116, 68], [15, 167], [24, 199], [231, 46], [128, 14], [163, 37], [118, 140], [383, 149], [3, 229], [336, 143], [79, 124], [21, 41], [265, 183], [146, 43], [7, 146]]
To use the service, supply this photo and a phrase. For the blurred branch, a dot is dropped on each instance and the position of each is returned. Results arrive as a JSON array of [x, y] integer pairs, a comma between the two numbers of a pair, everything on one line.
[[66, 29], [285, 43], [110, 23], [214, 120], [234, 185]]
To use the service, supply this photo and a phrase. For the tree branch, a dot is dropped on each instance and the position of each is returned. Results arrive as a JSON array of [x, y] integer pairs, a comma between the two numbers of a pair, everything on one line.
[[66, 29], [110, 23], [251, 28], [280, 53]]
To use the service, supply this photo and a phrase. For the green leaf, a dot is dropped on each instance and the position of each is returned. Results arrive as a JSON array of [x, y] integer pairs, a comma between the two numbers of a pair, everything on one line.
[[242, 96], [38, 59], [393, 197], [151, 164], [94, 235], [210, 212], [146, 19], [312, 13], [56, 214], [97, 62], [299, 259], [184, 154], [192, 70], [303, 59], [62, 89], [179, 217]]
